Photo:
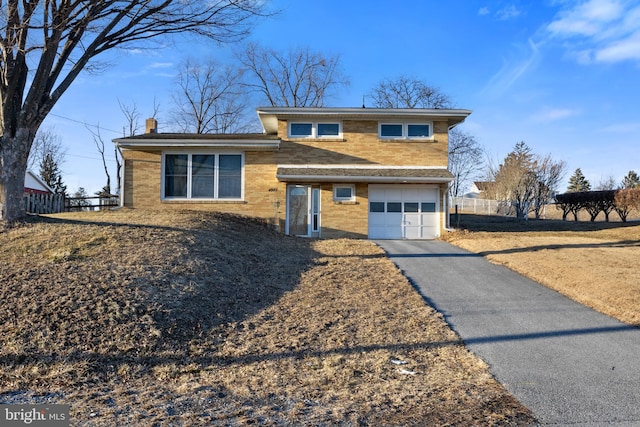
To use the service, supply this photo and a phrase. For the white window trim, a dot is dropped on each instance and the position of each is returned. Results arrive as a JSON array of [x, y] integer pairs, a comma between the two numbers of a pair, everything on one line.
[[344, 199], [189, 176], [314, 129], [405, 131]]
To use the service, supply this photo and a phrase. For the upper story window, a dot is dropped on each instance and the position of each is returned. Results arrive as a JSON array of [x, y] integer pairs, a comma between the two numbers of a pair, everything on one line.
[[303, 130], [405, 131], [315, 130], [202, 176]]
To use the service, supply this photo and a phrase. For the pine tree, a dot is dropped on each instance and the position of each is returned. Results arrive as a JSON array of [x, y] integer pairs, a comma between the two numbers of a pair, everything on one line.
[[50, 173], [632, 180], [578, 182]]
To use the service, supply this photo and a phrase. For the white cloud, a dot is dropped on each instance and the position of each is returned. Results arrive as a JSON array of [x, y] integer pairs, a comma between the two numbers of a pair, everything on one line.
[[135, 51], [161, 65], [508, 12], [483, 11], [587, 19], [632, 127], [599, 30], [621, 50], [512, 70], [548, 114]]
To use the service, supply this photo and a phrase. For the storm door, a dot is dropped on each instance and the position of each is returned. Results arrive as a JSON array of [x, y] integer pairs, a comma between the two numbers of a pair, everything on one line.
[[299, 210]]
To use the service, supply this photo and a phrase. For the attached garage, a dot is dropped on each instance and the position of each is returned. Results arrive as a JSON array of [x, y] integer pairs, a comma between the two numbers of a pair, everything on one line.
[[404, 211], [387, 202]]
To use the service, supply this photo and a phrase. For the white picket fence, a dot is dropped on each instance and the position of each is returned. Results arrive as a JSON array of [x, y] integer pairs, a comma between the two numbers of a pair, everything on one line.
[[44, 203]]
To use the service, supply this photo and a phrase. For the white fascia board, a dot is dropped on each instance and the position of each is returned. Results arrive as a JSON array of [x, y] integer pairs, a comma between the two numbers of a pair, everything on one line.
[[182, 143], [367, 179], [269, 115], [340, 166]]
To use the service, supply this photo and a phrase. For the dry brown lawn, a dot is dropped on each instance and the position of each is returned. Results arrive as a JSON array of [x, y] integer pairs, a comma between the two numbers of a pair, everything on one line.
[[595, 263], [143, 318]]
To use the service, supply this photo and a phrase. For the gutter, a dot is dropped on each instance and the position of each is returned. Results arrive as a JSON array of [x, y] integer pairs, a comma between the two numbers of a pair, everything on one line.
[[365, 178]]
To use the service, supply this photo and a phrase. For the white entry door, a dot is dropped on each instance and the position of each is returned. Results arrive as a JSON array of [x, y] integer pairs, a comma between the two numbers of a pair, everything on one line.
[[403, 212]]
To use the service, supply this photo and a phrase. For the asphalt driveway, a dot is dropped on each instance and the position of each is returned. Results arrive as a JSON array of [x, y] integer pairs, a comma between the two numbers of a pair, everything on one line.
[[569, 364]]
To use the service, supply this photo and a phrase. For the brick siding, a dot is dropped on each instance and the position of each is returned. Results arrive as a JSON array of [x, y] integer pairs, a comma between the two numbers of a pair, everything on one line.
[[265, 196]]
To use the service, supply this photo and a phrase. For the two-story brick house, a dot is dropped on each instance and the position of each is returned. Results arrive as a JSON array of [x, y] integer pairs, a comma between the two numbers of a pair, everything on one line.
[[318, 172]]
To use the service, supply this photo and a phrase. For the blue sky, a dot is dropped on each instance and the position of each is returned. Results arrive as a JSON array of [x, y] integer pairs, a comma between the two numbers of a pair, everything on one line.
[[561, 75]]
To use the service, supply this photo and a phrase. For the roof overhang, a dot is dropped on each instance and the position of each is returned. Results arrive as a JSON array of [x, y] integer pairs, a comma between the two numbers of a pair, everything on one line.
[[177, 141], [269, 115], [362, 173]]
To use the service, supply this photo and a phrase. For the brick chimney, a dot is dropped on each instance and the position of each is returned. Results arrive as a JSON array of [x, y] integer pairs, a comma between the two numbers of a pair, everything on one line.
[[151, 125]]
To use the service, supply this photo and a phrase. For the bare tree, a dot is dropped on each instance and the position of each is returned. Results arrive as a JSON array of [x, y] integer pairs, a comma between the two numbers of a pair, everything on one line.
[[60, 39], [465, 160], [99, 143], [48, 155], [46, 143], [208, 98], [408, 92], [608, 183], [526, 180], [295, 78], [549, 173], [514, 180], [132, 117]]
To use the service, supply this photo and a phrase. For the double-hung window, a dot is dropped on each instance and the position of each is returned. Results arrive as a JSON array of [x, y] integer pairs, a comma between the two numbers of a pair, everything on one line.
[[202, 176], [315, 130], [405, 130]]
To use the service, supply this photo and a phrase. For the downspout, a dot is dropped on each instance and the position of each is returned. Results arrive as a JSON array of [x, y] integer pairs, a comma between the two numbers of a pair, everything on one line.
[[445, 197], [122, 172]]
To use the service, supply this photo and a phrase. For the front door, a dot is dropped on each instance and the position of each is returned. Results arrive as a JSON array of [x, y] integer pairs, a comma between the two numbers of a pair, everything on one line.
[[303, 210], [298, 212]]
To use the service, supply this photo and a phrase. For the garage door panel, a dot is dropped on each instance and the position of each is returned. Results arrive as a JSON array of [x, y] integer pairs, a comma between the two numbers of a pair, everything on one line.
[[403, 212]]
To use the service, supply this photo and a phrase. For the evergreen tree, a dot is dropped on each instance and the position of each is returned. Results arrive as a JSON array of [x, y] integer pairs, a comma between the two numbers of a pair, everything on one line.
[[632, 180], [79, 199], [578, 182], [51, 174]]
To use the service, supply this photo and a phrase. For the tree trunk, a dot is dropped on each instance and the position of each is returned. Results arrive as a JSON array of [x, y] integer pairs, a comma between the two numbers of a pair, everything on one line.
[[14, 152]]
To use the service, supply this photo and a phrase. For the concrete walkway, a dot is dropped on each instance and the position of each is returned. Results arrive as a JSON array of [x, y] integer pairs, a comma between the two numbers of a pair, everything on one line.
[[569, 364]]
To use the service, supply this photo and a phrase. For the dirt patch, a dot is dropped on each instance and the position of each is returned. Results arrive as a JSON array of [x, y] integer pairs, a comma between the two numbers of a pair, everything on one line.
[[594, 263], [186, 318]]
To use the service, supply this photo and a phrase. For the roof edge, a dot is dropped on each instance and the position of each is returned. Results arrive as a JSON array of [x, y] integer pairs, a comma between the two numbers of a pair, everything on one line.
[[269, 115]]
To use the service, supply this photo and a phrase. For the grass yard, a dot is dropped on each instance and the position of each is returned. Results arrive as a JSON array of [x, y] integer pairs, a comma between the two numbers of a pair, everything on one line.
[[595, 263], [148, 318]]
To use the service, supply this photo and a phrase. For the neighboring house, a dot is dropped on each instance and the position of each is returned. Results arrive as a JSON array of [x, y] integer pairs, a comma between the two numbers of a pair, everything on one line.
[[33, 184], [316, 172], [479, 189]]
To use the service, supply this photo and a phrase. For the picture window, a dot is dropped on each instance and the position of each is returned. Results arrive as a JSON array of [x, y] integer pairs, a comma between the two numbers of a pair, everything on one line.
[[202, 176]]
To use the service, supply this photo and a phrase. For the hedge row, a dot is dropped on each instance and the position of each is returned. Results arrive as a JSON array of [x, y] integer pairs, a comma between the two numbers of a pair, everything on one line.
[[621, 201]]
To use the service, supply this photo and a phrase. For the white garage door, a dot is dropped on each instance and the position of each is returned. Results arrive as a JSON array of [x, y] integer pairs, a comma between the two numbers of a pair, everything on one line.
[[403, 212]]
